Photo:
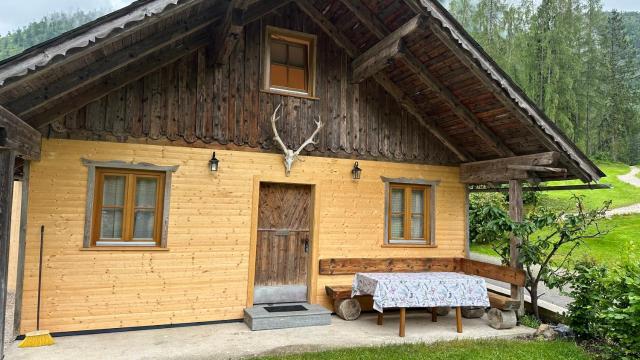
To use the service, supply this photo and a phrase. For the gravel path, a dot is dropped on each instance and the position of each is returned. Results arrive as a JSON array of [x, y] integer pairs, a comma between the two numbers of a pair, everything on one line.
[[630, 178]]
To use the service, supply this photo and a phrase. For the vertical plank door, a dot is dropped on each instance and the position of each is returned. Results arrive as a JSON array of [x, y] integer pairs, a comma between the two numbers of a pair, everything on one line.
[[283, 243]]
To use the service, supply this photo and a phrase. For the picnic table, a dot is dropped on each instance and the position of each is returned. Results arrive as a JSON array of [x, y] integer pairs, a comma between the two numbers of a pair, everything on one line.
[[421, 290]]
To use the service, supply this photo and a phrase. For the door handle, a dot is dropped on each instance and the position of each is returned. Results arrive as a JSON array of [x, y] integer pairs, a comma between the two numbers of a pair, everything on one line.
[[306, 246]]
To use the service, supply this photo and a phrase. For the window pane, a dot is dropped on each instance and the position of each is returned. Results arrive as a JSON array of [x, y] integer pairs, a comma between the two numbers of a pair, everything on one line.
[[146, 192], [397, 200], [113, 190], [297, 79], [278, 75], [278, 52], [397, 226], [417, 226], [143, 224], [111, 224], [297, 55], [417, 201]]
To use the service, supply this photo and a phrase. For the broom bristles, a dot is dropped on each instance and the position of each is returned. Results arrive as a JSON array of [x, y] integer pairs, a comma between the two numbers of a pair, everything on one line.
[[37, 338]]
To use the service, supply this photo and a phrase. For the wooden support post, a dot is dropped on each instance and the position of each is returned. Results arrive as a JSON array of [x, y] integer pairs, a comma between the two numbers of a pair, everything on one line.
[[459, 319], [380, 319], [434, 314], [516, 212], [403, 320], [7, 159]]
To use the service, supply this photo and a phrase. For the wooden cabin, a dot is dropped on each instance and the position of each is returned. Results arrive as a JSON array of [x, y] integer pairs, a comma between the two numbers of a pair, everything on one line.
[[115, 129]]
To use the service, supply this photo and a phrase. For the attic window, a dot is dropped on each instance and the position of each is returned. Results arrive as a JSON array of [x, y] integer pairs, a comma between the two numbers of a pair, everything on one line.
[[289, 62]]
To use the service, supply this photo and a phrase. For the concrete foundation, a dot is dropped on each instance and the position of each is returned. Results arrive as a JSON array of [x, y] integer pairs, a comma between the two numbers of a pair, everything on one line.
[[258, 318]]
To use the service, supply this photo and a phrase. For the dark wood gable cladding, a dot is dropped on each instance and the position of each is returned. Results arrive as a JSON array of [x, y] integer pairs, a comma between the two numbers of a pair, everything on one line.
[[194, 101]]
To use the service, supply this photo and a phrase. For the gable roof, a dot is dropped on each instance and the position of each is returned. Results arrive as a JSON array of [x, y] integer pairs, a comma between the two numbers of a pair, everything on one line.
[[443, 78]]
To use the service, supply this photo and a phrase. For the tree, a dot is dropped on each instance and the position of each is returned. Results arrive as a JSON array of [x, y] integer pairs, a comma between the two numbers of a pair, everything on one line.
[[544, 234]]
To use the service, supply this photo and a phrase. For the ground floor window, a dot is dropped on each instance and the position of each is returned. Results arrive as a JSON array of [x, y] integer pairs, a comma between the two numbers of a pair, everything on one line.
[[409, 212], [127, 204]]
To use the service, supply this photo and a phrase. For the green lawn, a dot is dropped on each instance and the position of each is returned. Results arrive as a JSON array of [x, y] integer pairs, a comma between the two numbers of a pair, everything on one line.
[[462, 350], [622, 239], [622, 193]]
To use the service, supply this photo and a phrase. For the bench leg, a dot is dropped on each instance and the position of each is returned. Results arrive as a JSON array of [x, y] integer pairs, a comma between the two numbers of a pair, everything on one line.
[[380, 319], [403, 318], [434, 314], [459, 319]]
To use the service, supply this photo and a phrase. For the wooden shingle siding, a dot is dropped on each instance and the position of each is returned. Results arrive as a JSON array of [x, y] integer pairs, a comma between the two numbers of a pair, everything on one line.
[[194, 101], [203, 275]]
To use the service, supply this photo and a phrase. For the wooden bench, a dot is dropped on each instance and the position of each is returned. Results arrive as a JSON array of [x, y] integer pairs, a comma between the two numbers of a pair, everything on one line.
[[350, 309]]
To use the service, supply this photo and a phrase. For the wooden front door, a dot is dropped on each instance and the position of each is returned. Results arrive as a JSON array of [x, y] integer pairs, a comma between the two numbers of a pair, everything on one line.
[[283, 243]]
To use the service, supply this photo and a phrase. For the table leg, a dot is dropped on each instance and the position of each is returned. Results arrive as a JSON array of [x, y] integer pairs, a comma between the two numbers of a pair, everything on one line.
[[403, 316], [459, 319], [434, 314], [380, 319]]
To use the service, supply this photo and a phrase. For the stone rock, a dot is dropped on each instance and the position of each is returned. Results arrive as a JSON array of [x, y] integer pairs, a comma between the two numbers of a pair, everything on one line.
[[553, 332], [472, 312]]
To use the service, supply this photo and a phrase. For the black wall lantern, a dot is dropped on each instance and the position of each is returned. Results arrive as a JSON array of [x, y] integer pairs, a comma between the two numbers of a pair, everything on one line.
[[213, 163], [356, 171]]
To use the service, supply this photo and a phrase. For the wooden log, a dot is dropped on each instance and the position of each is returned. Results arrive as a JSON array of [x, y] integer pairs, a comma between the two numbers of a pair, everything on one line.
[[347, 309], [7, 160], [472, 312], [516, 213], [503, 302], [499, 319], [496, 171], [440, 310], [18, 136]]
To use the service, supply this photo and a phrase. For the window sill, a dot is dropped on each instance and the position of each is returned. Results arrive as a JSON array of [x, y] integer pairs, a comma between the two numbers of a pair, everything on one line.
[[124, 248], [409, 246], [287, 93]]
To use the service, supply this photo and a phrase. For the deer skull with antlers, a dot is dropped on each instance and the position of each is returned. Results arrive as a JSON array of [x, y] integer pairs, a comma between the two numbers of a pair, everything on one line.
[[289, 155]]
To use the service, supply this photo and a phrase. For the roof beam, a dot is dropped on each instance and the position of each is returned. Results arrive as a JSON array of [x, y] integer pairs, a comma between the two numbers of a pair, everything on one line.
[[546, 188], [375, 60], [228, 33], [377, 27], [18, 136], [383, 80], [118, 79], [505, 169], [39, 98], [509, 96], [262, 8]]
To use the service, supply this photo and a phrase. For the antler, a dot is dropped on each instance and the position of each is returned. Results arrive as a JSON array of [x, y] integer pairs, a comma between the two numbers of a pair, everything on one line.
[[276, 137], [319, 126]]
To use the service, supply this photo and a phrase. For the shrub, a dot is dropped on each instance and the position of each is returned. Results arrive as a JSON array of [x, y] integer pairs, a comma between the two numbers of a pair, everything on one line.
[[488, 218], [607, 307]]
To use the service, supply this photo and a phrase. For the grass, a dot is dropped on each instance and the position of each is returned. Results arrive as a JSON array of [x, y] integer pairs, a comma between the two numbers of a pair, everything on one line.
[[616, 245], [454, 350], [622, 194]]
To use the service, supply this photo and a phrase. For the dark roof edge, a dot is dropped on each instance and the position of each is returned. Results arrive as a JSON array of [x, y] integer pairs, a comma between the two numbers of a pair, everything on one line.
[[514, 92], [83, 36]]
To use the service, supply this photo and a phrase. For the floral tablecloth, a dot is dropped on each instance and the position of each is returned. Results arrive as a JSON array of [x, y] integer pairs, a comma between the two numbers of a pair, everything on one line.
[[427, 289]]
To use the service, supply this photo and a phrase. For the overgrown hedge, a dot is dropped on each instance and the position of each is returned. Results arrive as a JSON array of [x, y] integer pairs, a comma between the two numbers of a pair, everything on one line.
[[606, 307]]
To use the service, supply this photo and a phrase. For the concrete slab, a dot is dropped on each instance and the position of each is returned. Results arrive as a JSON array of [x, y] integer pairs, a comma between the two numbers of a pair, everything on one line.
[[235, 340], [258, 318]]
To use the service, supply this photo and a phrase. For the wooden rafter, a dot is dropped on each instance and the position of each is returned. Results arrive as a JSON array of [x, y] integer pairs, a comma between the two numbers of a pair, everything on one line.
[[262, 8], [377, 27], [229, 31], [18, 136], [118, 79], [506, 169], [327, 26], [524, 110], [375, 60], [39, 98]]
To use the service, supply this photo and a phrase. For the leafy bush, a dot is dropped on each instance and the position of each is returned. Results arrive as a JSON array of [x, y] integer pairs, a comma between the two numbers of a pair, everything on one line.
[[607, 306], [488, 218]]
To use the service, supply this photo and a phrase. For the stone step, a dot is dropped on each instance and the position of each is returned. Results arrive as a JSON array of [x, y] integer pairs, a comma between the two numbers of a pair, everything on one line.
[[289, 315]]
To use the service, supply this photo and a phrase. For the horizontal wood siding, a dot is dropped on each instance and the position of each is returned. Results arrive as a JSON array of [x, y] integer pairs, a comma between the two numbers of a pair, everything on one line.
[[197, 103], [203, 275]]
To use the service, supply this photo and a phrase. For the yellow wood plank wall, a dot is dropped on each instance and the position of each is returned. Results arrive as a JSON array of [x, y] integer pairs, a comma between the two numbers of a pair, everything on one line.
[[14, 236], [203, 275]]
